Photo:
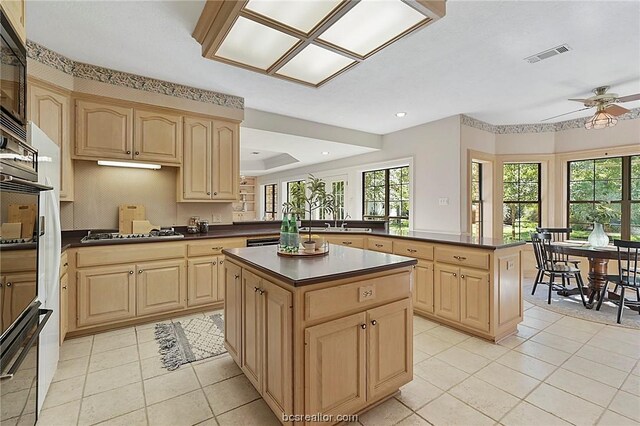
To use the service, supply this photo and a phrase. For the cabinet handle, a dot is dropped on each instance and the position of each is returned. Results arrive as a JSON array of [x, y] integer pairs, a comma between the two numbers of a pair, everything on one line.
[[128, 152], [460, 257], [213, 263], [412, 250], [374, 322], [66, 264], [215, 193], [261, 291], [137, 153], [347, 243], [64, 287], [208, 193], [221, 262], [461, 276], [130, 272], [8, 284], [255, 289], [455, 275], [218, 248], [236, 276], [379, 245], [140, 271], [363, 326]]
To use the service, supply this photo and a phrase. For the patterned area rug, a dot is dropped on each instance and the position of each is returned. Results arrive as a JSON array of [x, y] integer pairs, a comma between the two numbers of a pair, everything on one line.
[[190, 340], [572, 306]]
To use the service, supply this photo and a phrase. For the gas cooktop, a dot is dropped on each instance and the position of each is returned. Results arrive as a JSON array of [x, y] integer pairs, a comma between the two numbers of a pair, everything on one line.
[[156, 234]]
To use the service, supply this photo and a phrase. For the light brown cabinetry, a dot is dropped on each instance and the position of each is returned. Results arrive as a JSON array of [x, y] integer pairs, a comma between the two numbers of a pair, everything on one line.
[[50, 110], [106, 294], [252, 328], [103, 131], [206, 280], [157, 137], [423, 286], [64, 306], [384, 245], [233, 310], [211, 167], [18, 292], [474, 299], [15, 11], [161, 286], [349, 241], [447, 292]]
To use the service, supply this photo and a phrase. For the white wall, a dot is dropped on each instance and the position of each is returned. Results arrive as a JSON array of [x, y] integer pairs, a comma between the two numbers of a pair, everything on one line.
[[434, 150]]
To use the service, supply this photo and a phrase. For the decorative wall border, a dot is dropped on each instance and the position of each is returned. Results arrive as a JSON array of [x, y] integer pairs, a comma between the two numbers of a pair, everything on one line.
[[60, 62], [575, 123]]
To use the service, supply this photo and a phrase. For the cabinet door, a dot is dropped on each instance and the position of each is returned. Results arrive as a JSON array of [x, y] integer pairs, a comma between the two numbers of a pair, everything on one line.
[[335, 360], [161, 287], [423, 287], [106, 294], [158, 137], [64, 306], [15, 11], [447, 292], [390, 360], [233, 310], [50, 111], [19, 292], [277, 382], [196, 168], [225, 161], [103, 131], [474, 299], [203, 281], [220, 278], [252, 327]]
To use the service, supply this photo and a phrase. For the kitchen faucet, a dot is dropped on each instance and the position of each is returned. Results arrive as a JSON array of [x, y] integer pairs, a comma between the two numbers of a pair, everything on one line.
[[347, 216]]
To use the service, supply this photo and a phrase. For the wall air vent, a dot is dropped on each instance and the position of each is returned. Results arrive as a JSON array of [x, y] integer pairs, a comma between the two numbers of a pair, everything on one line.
[[548, 53]]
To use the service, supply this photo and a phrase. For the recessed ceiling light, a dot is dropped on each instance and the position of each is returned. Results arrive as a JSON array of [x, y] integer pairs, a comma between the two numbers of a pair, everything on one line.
[[255, 153], [400, 114], [325, 152]]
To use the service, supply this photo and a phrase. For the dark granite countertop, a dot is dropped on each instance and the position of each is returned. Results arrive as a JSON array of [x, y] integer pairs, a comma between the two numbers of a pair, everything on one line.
[[262, 229], [341, 262]]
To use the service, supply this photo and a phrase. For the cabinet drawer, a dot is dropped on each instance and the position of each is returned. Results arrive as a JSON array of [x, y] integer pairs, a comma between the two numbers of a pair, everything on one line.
[[413, 249], [127, 253], [458, 256], [346, 241], [213, 247], [64, 263], [18, 260], [350, 297], [380, 244]]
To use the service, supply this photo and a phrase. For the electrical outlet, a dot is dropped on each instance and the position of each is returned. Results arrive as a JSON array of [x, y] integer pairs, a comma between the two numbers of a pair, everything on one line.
[[443, 201], [510, 264], [216, 218], [366, 293]]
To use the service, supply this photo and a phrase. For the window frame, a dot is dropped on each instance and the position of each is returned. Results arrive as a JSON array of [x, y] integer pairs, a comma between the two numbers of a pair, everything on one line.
[[274, 198], [479, 201], [387, 192], [625, 201], [519, 201]]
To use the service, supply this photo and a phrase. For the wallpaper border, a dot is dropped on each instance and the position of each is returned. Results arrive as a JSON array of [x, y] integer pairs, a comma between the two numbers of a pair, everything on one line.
[[60, 62]]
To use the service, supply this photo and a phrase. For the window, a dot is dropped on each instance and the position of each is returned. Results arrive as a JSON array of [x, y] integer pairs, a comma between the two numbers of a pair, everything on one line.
[[521, 198], [385, 196], [476, 199], [337, 189], [270, 197], [615, 181], [290, 187]]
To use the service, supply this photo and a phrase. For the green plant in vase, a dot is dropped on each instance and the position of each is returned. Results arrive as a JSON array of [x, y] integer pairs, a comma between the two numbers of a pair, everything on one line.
[[306, 198]]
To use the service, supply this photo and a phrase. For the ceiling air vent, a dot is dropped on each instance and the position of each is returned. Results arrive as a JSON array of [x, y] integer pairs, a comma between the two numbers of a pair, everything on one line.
[[548, 53]]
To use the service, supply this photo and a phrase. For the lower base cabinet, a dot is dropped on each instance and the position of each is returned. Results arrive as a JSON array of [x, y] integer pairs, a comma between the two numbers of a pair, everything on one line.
[[64, 306], [423, 287], [162, 287], [233, 310], [206, 280], [462, 295]]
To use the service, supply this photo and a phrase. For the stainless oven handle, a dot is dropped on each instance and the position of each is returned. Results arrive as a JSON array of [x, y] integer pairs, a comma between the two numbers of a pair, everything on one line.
[[12, 180], [12, 371]]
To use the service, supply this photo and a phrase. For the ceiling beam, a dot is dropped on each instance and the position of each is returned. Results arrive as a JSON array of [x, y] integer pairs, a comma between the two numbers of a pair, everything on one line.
[[434, 9]]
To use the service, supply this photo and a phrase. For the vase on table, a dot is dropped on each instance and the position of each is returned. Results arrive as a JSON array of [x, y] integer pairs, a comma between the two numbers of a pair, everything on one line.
[[597, 237]]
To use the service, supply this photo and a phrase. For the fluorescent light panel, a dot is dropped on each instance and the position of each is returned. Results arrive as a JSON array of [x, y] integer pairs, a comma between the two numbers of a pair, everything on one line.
[[254, 44], [314, 64], [370, 24], [302, 15], [129, 165]]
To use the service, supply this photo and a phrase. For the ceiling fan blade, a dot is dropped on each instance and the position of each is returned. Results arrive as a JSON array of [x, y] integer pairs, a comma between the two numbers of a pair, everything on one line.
[[577, 100], [629, 98], [566, 113], [616, 110]]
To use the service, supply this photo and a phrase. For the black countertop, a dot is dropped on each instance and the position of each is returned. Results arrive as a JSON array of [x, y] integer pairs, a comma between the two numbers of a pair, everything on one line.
[[341, 262], [262, 229]]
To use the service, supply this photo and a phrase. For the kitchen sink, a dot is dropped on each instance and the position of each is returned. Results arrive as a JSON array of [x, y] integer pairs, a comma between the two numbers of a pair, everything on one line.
[[334, 229]]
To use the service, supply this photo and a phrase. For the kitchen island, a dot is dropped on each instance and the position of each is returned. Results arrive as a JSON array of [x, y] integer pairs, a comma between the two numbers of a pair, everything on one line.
[[320, 337]]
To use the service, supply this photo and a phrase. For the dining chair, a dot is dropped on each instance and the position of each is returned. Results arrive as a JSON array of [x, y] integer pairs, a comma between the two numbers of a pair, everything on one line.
[[558, 235], [628, 274], [548, 266]]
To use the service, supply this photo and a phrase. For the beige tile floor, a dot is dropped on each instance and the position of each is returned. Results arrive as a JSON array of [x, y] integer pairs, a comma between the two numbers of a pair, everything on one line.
[[556, 371]]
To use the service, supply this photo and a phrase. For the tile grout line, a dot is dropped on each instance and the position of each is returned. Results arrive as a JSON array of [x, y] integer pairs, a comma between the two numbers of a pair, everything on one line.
[[86, 376], [617, 392], [215, 418], [144, 393]]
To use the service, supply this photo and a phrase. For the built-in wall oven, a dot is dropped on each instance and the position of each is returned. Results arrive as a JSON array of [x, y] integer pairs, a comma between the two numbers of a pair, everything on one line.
[[13, 80], [21, 316]]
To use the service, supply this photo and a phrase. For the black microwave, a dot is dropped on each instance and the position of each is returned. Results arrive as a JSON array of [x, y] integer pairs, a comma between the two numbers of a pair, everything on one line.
[[13, 80]]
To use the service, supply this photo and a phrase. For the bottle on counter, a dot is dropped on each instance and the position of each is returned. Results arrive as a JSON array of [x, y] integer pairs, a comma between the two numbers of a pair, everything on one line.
[[294, 236], [284, 232]]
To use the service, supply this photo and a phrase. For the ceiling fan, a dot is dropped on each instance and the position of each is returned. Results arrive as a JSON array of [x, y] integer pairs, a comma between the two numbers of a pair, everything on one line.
[[606, 108]]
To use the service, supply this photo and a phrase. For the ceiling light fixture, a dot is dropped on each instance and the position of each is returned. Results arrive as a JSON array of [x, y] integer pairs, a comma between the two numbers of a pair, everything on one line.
[[325, 152], [401, 114], [308, 42], [129, 165], [600, 120]]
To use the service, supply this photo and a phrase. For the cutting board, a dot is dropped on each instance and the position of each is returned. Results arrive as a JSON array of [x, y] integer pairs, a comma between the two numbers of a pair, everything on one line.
[[24, 214], [11, 231], [142, 226], [127, 214]]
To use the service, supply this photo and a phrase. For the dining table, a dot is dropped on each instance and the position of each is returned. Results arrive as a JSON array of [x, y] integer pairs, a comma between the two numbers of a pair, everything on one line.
[[598, 258]]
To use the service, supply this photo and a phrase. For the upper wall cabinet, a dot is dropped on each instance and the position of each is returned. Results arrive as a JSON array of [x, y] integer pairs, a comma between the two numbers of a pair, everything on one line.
[[117, 132], [211, 168], [103, 131], [157, 137], [15, 11], [50, 110]]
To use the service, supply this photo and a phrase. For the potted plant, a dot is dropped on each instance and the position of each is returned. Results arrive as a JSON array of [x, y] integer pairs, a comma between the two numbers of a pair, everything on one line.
[[307, 197], [601, 213]]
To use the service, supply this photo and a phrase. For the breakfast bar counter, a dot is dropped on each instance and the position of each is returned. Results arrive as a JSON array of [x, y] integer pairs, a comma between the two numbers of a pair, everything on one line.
[[320, 337]]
